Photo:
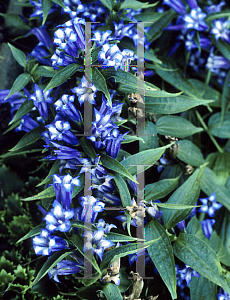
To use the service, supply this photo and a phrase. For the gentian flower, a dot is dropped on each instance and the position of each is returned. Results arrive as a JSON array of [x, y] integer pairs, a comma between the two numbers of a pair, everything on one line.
[[42, 35], [38, 9], [58, 218], [41, 100], [45, 244], [221, 30], [210, 205], [187, 273], [60, 130], [64, 267], [113, 143], [122, 30], [63, 152], [96, 240], [14, 100], [176, 5], [27, 123], [63, 187], [89, 204], [85, 91], [207, 227], [72, 7], [110, 56], [102, 37], [195, 20], [223, 296], [66, 107], [215, 8]]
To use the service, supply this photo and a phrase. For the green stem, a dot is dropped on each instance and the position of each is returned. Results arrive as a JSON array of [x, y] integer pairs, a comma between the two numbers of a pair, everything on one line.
[[208, 132]]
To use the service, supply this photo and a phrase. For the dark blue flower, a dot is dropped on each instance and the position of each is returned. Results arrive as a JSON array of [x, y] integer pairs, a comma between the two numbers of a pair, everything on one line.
[[63, 187], [58, 218], [60, 130], [27, 123], [113, 143], [41, 100], [221, 30], [177, 5], [14, 100], [102, 37], [210, 205], [195, 20], [207, 227], [64, 267], [110, 56], [186, 274], [211, 9], [85, 91], [66, 107], [90, 207], [45, 244], [42, 35], [63, 152], [223, 296]]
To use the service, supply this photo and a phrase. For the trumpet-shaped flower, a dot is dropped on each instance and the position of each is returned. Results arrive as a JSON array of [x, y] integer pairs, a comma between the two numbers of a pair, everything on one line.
[[210, 205], [41, 100], [64, 267], [65, 107], [60, 130], [85, 91], [45, 244], [110, 56]]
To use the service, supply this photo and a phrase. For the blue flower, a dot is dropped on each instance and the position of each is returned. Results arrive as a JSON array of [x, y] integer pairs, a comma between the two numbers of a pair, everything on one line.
[[38, 9], [41, 100], [186, 274], [63, 152], [63, 187], [177, 5], [210, 205], [45, 244], [64, 267], [27, 123], [215, 8], [207, 227], [14, 100], [113, 143], [85, 91], [60, 130], [42, 35], [223, 296], [96, 241], [195, 20], [102, 37], [66, 107], [110, 56], [58, 218], [89, 210], [221, 30], [122, 30]]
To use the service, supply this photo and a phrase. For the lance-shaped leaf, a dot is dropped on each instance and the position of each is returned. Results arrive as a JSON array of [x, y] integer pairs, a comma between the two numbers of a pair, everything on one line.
[[114, 165], [160, 189], [35, 231], [225, 98], [134, 4], [201, 288], [186, 194], [108, 4], [200, 256], [210, 185], [25, 107], [122, 251], [123, 190], [117, 237], [217, 245], [29, 138], [172, 105], [176, 127], [20, 82], [51, 263], [218, 127], [46, 6], [112, 292], [189, 153], [83, 225], [18, 55], [161, 253], [47, 193], [62, 75], [150, 137], [100, 83], [147, 158], [88, 147]]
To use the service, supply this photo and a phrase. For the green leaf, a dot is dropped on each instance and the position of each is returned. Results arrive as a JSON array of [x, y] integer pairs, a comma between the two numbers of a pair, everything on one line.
[[59, 2], [47, 193], [122, 251], [112, 292], [190, 153], [161, 253], [88, 147], [218, 162], [160, 189], [186, 194], [78, 242], [46, 6], [148, 17], [83, 225], [51, 263], [35, 231], [29, 138], [201, 288], [123, 190], [108, 4], [25, 107], [217, 245], [150, 137], [147, 158], [20, 82], [200, 257], [117, 237], [44, 71], [54, 170], [223, 47], [131, 138], [134, 4], [18, 55], [62, 76], [115, 166], [175, 206], [172, 105], [177, 79], [210, 185], [220, 128], [157, 27], [207, 92], [14, 20], [225, 98], [100, 83], [176, 127]]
